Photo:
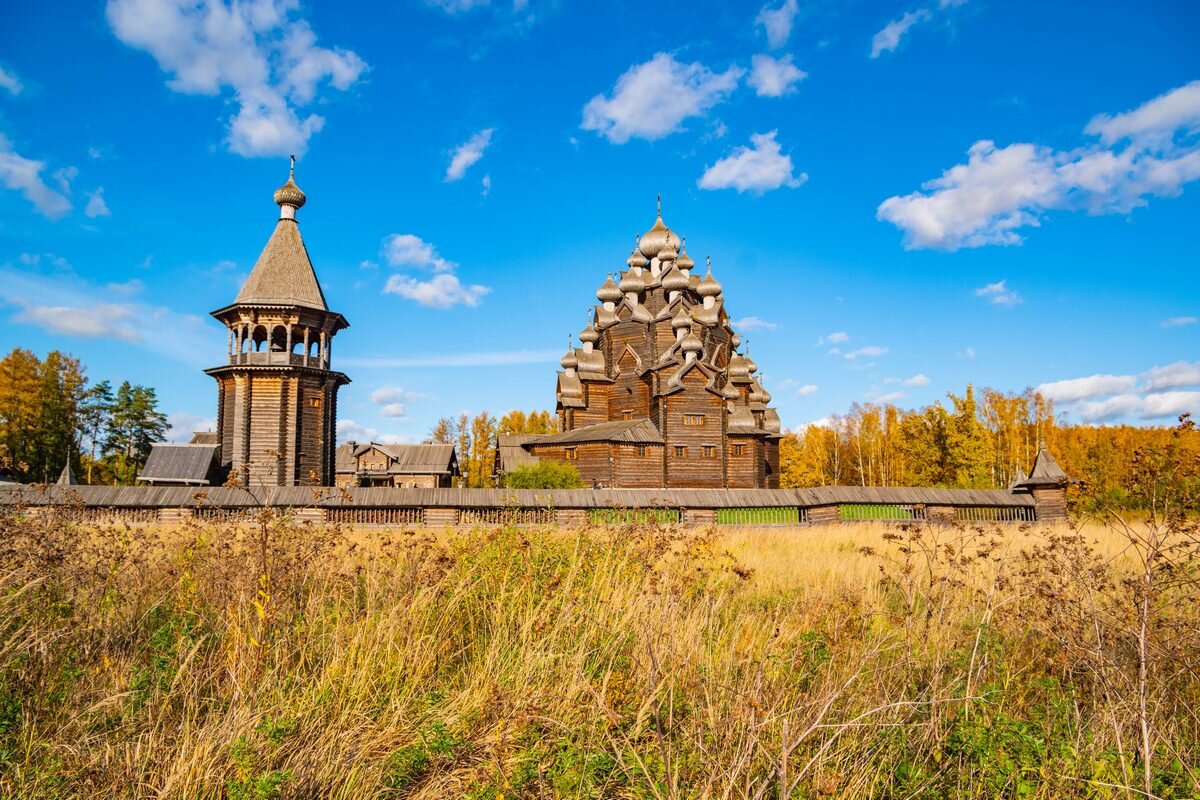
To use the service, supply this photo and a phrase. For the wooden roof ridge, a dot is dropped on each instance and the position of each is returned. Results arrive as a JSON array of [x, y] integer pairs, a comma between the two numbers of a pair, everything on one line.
[[633, 431], [283, 274]]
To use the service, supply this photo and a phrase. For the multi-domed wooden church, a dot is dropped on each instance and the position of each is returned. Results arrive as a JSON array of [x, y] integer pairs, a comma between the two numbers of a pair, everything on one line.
[[659, 394]]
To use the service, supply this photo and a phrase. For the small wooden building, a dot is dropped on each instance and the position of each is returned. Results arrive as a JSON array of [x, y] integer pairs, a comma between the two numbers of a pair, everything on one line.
[[183, 465], [413, 466]]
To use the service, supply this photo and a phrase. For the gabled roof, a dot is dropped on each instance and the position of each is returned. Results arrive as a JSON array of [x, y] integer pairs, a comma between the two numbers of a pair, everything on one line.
[[284, 273], [191, 464], [511, 453], [403, 459], [205, 437], [627, 431]]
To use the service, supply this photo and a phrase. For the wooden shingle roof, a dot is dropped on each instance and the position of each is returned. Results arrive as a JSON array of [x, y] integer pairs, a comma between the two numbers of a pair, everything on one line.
[[511, 453], [626, 431], [283, 274], [191, 464]]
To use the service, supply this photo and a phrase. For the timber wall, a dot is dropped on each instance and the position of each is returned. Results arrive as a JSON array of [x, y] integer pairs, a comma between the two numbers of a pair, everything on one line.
[[437, 507]]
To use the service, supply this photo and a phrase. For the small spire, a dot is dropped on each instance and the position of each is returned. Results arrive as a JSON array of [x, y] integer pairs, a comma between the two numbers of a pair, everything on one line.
[[660, 206], [292, 171], [708, 263]]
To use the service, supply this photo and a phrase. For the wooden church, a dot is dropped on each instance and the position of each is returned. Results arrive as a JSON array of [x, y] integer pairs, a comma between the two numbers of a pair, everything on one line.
[[277, 392], [659, 394]]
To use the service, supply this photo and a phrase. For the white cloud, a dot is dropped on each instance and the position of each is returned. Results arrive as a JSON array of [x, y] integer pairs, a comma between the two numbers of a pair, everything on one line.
[[1170, 404], [807, 390], [999, 294], [440, 291], [890, 397], [486, 183], [870, 351], [913, 382], [96, 207], [1151, 151], [183, 425], [1162, 116], [100, 321], [407, 250], [25, 176], [394, 394], [443, 290], [1178, 322], [774, 77], [749, 324], [1116, 407], [1181, 373], [757, 169], [501, 358], [394, 410], [652, 99], [837, 337], [60, 303], [888, 38], [777, 22], [10, 82], [268, 61], [1067, 391], [968, 352], [467, 153]]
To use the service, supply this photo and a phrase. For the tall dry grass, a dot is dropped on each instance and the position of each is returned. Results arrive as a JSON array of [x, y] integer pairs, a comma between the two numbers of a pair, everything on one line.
[[286, 660]]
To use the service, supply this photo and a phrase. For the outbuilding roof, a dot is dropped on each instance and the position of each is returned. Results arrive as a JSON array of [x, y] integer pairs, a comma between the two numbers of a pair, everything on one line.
[[189, 464]]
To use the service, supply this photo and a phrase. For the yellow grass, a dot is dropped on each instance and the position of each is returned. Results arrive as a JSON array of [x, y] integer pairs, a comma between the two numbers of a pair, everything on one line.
[[853, 660]]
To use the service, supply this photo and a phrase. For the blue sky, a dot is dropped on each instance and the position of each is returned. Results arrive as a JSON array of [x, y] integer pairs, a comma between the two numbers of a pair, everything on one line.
[[898, 197]]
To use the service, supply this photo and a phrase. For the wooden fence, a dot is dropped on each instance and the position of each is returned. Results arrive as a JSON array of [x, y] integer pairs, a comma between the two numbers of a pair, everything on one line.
[[393, 507]]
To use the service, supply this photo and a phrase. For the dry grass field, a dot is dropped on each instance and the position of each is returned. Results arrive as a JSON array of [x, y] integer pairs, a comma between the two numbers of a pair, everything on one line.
[[857, 660]]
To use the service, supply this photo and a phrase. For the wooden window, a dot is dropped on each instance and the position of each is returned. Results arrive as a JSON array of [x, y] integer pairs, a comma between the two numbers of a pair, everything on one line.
[[571, 454], [627, 414], [641, 450], [315, 402], [680, 451], [738, 448], [710, 451], [694, 420]]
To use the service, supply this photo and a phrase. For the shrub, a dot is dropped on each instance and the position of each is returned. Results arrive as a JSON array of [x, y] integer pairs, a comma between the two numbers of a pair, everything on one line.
[[544, 475]]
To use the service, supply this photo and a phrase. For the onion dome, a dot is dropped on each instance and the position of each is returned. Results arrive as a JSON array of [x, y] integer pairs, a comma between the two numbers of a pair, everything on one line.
[[757, 395], [589, 335], [750, 365], [289, 194], [674, 281], [766, 396], [570, 361], [730, 392], [738, 370], [667, 254], [708, 287], [682, 320], [608, 292], [691, 344], [735, 341], [684, 261], [636, 259], [631, 282], [656, 238]]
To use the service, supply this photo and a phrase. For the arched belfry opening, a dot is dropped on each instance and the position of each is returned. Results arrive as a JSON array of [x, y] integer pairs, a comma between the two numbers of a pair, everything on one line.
[[277, 393]]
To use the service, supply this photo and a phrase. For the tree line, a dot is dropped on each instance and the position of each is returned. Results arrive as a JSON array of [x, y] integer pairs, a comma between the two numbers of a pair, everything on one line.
[[978, 440], [475, 440], [51, 416]]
